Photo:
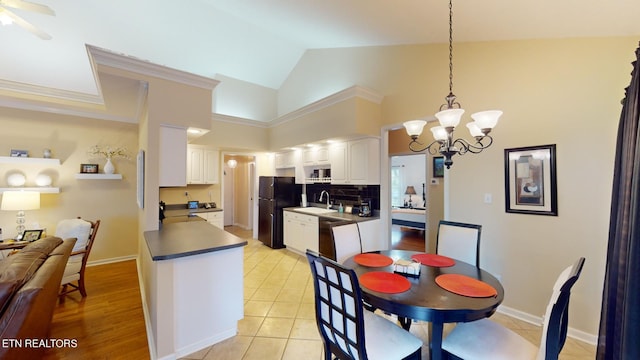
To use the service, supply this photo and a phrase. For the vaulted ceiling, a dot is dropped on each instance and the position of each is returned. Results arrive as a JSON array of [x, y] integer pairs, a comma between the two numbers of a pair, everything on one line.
[[261, 41]]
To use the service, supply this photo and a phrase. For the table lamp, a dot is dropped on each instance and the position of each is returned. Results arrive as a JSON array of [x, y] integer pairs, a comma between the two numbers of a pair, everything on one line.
[[20, 201], [410, 191]]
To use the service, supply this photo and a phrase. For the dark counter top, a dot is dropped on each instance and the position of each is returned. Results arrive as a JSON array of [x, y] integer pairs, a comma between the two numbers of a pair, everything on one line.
[[336, 215], [189, 238]]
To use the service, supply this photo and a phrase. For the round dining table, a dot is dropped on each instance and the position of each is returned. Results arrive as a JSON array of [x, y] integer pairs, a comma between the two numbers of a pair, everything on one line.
[[426, 300]]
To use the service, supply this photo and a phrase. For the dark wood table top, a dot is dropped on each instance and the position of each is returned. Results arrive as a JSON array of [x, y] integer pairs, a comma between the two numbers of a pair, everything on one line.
[[426, 300]]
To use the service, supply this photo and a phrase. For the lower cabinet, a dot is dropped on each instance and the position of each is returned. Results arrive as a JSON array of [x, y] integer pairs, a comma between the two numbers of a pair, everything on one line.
[[215, 218], [300, 232]]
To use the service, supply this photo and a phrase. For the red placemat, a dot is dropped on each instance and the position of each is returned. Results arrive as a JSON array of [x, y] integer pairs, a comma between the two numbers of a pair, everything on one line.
[[466, 286], [434, 260], [373, 260], [385, 282]]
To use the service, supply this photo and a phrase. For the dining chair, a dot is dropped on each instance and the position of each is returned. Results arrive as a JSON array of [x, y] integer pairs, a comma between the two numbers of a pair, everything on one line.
[[347, 331], [459, 241], [486, 339], [85, 233], [346, 240]]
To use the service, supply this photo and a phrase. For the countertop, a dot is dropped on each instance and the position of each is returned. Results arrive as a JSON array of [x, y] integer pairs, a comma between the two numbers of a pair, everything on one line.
[[336, 215], [189, 238], [187, 212]]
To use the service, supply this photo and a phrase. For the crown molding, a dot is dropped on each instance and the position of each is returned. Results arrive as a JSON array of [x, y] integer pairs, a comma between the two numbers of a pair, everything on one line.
[[61, 110], [346, 94], [48, 92], [238, 120], [129, 63]]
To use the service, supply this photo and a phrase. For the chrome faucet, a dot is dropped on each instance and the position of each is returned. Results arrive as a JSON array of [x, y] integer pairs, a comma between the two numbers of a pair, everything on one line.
[[321, 194]]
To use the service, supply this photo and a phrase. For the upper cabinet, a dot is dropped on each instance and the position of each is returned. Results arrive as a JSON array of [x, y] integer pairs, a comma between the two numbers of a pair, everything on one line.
[[285, 159], [355, 162], [350, 162], [317, 155], [173, 156], [202, 165]]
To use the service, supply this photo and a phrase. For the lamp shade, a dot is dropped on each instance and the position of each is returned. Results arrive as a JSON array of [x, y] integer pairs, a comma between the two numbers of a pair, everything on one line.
[[450, 117], [410, 190], [439, 133], [20, 200], [487, 119], [414, 127], [474, 129]]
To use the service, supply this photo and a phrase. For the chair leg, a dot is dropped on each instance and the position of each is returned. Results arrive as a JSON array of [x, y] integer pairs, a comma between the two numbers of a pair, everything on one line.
[[405, 322], [63, 294], [83, 292]]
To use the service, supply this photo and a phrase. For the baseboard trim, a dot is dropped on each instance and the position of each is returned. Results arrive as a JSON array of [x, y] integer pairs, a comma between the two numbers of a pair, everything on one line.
[[112, 260], [537, 321]]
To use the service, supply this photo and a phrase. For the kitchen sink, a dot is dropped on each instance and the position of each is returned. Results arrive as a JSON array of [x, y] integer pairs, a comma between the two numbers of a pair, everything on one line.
[[315, 210]]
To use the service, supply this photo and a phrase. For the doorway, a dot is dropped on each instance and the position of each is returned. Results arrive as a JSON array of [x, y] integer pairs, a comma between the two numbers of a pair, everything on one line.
[[408, 200], [394, 142], [239, 188]]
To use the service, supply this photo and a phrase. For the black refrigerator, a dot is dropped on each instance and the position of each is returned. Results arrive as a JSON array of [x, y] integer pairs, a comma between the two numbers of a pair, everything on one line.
[[274, 194]]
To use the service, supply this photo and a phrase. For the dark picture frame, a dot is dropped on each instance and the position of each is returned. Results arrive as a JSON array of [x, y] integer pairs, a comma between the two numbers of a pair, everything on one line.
[[31, 235], [438, 166], [530, 180], [89, 168]]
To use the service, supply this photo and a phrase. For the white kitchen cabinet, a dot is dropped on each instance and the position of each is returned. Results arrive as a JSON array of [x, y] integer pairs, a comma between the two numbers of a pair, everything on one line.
[[211, 166], [317, 155], [215, 218], [355, 162], [300, 232], [284, 160], [202, 165], [173, 156]]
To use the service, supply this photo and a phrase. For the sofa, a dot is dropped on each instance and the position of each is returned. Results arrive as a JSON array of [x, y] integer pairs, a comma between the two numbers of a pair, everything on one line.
[[29, 285]]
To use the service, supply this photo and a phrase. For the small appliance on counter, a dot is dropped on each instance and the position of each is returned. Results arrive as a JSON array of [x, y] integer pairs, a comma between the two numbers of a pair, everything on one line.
[[365, 209], [193, 204]]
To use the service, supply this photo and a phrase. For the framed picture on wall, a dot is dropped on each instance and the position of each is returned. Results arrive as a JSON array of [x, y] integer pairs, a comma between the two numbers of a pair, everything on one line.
[[530, 180], [438, 166]]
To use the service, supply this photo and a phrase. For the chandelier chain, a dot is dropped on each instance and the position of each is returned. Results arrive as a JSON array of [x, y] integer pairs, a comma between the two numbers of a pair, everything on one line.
[[450, 46]]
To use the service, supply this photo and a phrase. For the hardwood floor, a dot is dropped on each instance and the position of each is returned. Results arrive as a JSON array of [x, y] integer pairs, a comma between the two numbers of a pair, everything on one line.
[[108, 323], [404, 238]]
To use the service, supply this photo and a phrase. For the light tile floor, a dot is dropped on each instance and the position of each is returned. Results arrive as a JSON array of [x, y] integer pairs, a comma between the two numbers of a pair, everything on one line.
[[279, 320]]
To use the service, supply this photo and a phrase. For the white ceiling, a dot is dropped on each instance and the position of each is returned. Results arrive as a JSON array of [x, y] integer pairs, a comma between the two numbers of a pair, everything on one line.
[[260, 41]]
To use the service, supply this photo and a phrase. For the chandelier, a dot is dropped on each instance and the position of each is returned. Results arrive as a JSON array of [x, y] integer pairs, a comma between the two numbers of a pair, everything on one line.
[[449, 117]]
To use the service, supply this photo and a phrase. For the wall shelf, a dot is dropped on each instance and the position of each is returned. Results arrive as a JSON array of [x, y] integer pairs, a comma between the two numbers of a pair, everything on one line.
[[99, 176], [28, 160], [44, 190]]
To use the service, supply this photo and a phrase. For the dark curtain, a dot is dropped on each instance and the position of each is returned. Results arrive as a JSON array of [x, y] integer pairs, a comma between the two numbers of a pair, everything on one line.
[[619, 336]]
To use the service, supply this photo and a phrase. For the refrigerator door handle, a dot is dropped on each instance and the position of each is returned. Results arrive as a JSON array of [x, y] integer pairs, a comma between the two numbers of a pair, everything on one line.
[[271, 228]]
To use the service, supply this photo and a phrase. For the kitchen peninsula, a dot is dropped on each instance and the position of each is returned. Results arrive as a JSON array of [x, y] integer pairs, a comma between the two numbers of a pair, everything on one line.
[[193, 287]]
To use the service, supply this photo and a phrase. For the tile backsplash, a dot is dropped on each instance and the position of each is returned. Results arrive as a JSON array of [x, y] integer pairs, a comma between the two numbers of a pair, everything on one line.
[[348, 195]]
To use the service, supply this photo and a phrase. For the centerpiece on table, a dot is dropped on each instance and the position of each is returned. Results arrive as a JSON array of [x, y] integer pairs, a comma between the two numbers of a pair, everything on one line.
[[109, 152]]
